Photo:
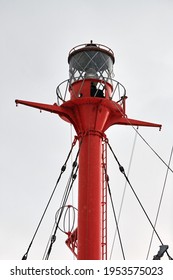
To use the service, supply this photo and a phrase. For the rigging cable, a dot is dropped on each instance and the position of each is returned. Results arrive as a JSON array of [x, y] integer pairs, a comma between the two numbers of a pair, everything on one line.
[[117, 227], [56, 226], [121, 168], [153, 150], [124, 115], [160, 203], [68, 188], [124, 191], [63, 168]]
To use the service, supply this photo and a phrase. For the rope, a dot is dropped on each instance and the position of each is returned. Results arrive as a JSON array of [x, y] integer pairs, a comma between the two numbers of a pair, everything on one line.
[[68, 188], [117, 227], [63, 168], [66, 195], [124, 191], [153, 150], [143, 139], [121, 168], [164, 185]]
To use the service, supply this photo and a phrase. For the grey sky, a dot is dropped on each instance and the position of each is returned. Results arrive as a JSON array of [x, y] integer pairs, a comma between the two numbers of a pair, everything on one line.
[[36, 37]]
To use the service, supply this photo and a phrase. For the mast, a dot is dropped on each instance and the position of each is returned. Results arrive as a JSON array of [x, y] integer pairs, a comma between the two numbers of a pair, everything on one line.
[[91, 110]]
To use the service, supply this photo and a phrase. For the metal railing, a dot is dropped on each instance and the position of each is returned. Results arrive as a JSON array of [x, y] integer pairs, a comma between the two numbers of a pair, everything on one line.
[[91, 44], [63, 94]]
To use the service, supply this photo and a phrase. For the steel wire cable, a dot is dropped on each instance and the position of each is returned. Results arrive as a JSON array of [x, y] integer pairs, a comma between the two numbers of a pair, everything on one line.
[[161, 197], [56, 226], [117, 226], [152, 149], [121, 168], [63, 168], [68, 188], [164, 162], [124, 191], [52, 239]]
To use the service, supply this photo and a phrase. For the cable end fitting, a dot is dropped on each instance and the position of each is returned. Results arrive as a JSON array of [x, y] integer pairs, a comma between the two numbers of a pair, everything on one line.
[[53, 238], [121, 168], [63, 168], [74, 176], [25, 257], [74, 164]]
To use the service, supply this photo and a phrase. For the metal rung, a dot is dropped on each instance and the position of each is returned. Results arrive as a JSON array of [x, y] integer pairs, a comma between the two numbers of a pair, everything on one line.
[[104, 200]]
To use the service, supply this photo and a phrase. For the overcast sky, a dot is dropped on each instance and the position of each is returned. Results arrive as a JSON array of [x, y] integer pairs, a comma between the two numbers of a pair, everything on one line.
[[36, 36]]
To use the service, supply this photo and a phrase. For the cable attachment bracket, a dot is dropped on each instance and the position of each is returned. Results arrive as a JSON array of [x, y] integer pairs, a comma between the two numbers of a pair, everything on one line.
[[163, 249]]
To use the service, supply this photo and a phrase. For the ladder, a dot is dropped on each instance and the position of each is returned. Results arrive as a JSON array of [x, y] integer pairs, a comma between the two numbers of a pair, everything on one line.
[[104, 199]]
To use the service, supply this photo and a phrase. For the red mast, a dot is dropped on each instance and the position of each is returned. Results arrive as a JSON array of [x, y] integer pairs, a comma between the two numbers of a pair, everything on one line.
[[92, 111]]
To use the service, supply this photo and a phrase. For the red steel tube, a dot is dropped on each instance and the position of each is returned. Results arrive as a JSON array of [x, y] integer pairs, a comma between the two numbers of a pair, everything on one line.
[[89, 198]]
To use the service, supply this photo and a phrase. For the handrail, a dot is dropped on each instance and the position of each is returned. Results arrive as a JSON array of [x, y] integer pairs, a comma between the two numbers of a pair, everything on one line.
[[102, 47], [63, 93]]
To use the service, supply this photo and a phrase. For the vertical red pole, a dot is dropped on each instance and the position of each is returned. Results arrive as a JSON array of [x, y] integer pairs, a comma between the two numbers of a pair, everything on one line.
[[89, 198], [90, 65]]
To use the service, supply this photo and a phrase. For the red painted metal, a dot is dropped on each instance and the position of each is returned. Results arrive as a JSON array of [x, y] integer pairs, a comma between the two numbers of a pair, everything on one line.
[[71, 242], [105, 180], [91, 117], [90, 197]]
